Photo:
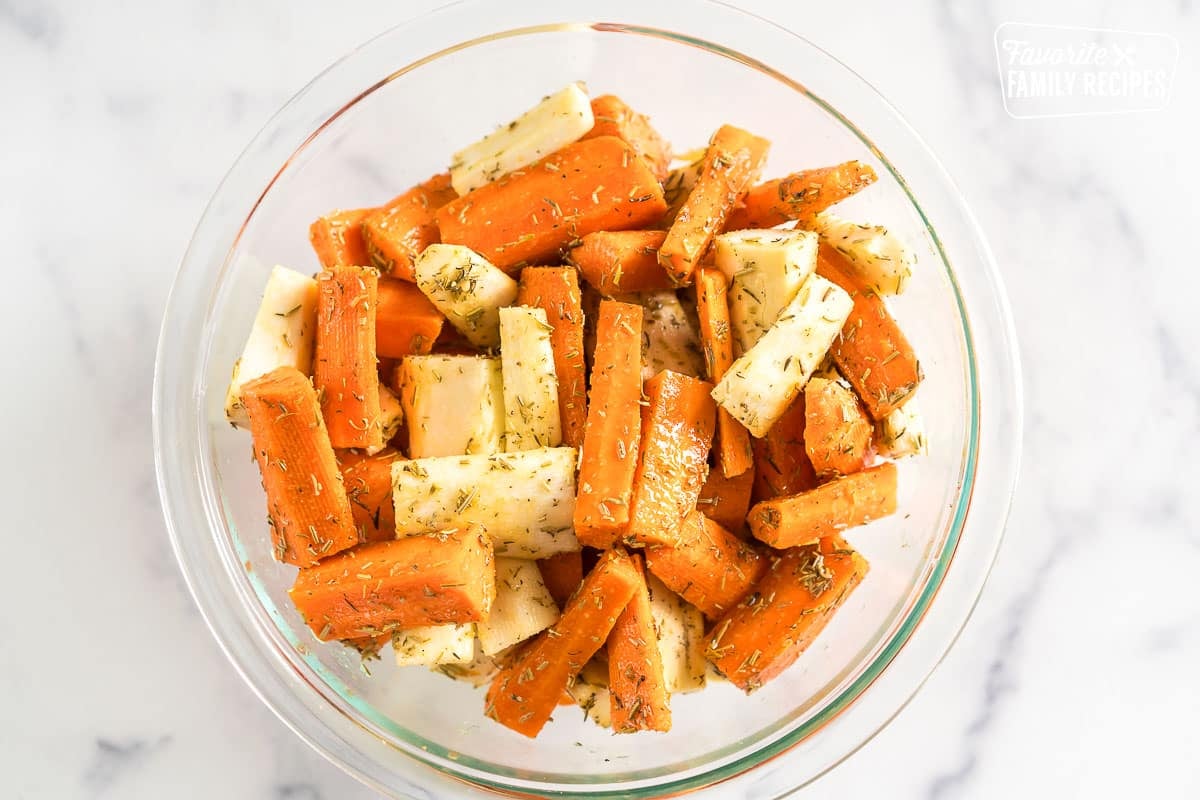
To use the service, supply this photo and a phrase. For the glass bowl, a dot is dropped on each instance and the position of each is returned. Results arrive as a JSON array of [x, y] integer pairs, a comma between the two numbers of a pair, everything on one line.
[[389, 115]]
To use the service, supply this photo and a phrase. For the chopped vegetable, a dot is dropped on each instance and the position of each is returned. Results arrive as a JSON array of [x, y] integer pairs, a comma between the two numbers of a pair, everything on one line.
[[431, 645], [406, 323], [589, 691], [562, 573], [523, 606], [837, 433], [614, 118], [880, 261], [531, 418], [337, 238], [390, 420], [621, 261], [396, 233], [679, 184], [800, 196], [670, 336], [766, 270], [454, 404], [679, 627], [901, 433], [781, 465], [802, 519], [636, 684], [344, 365], [733, 440], [368, 484], [555, 290], [726, 500], [467, 289]]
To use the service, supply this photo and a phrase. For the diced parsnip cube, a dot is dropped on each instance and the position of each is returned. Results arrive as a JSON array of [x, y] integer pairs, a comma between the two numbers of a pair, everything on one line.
[[454, 405], [467, 288], [762, 383], [282, 336], [434, 644], [881, 260], [391, 417], [531, 418], [901, 433], [765, 269], [525, 500], [523, 606], [670, 336], [552, 124], [680, 628], [590, 691]]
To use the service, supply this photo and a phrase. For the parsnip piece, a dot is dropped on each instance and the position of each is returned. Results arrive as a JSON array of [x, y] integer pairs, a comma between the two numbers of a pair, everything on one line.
[[590, 690], [454, 405], [670, 336], [467, 288], [879, 258], [523, 606], [434, 644], [765, 269], [480, 670], [531, 418], [680, 628], [902, 432], [391, 417]]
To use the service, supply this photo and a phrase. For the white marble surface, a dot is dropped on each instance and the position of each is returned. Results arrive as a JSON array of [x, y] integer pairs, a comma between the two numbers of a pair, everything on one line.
[[1075, 678]]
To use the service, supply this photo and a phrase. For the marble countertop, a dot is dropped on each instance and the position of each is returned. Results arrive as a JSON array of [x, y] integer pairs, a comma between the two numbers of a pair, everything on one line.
[[1076, 676]]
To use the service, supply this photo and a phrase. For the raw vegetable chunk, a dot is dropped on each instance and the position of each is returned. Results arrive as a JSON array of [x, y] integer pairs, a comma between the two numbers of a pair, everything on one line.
[[555, 122], [832, 507], [762, 383], [765, 269], [555, 290], [880, 261], [901, 433], [766, 632], [679, 628], [562, 573], [337, 238], [781, 465], [531, 215], [636, 684], [467, 289], [621, 261], [368, 484], [525, 694], [282, 336], [726, 501], [837, 433], [431, 645], [406, 323], [391, 418], [800, 196], [396, 233], [589, 690], [531, 417], [524, 501], [679, 184], [383, 587], [670, 337], [733, 440], [523, 606], [454, 404], [614, 118], [308, 511], [344, 366]]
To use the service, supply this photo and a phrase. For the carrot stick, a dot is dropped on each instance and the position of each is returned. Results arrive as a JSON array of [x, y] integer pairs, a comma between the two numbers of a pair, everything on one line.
[[309, 513], [733, 440], [804, 518], [562, 573], [837, 433], [396, 233], [382, 587], [555, 290], [800, 196], [530, 215], [622, 261], [677, 432], [525, 693], [337, 237], [781, 465], [731, 163], [406, 323], [614, 118], [766, 632], [871, 352], [710, 567], [614, 427], [726, 501], [636, 684], [344, 368], [368, 484]]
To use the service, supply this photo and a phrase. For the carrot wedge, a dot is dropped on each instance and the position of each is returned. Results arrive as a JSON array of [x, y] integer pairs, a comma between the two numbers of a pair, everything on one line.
[[800, 196], [781, 465], [525, 693], [530, 215], [382, 587], [344, 367], [396, 233], [766, 632], [614, 118], [609, 456], [804, 518], [309, 513], [726, 501], [636, 684], [406, 323], [733, 440], [622, 261], [562, 573], [732, 162], [555, 290], [368, 484], [872, 352], [338, 240], [837, 433], [710, 568], [677, 432]]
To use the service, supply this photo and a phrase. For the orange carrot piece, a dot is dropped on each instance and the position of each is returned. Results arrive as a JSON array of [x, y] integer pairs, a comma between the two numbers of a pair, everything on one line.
[[710, 567], [734, 455], [562, 573], [308, 511], [726, 501], [555, 290], [344, 368], [337, 237], [406, 323], [381, 587], [368, 483], [525, 693], [766, 632], [832, 507], [677, 432], [637, 688], [732, 162], [614, 118], [871, 352], [613, 432], [837, 433], [396, 233], [800, 196], [781, 465], [622, 261], [530, 215]]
